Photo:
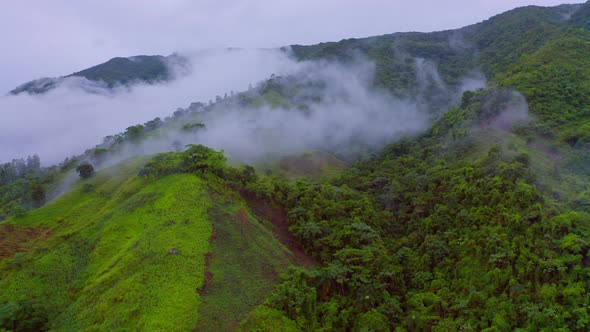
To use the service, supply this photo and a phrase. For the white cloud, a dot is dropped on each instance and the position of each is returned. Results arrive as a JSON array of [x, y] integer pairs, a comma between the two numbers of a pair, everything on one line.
[[68, 120]]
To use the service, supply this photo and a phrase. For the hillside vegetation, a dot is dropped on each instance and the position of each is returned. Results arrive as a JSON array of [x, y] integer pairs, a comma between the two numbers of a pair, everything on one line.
[[159, 251], [479, 223]]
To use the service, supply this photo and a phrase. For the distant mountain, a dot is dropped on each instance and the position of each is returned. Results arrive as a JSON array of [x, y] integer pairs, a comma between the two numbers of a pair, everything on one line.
[[115, 72], [492, 45]]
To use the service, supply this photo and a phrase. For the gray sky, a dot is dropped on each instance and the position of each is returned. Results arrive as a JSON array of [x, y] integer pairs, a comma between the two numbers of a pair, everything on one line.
[[57, 37]]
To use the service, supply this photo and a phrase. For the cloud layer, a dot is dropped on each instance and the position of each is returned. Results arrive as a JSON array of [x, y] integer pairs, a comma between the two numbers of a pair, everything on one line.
[[67, 120]]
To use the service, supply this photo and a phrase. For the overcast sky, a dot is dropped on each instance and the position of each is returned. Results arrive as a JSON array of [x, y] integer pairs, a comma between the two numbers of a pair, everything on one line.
[[52, 38]]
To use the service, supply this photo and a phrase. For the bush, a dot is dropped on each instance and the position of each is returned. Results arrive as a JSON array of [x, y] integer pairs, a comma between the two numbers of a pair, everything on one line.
[[86, 170]]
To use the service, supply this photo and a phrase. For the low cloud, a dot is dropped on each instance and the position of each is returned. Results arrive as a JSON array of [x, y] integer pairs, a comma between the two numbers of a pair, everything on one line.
[[336, 107], [68, 119]]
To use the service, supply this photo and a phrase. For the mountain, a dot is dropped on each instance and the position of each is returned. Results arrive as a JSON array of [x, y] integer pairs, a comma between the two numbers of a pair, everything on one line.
[[129, 245], [480, 221], [118, 71]]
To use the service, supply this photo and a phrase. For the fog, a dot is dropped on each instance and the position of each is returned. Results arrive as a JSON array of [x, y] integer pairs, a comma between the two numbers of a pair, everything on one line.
[[338, 110], [67, 120]]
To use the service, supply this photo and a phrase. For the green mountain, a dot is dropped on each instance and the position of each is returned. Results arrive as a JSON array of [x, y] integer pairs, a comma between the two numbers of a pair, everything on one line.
[[149, 251], [115, 72], [480, 223]]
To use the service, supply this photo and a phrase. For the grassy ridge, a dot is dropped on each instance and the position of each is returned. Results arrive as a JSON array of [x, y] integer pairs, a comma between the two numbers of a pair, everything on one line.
[[108, 264], [173, 249]]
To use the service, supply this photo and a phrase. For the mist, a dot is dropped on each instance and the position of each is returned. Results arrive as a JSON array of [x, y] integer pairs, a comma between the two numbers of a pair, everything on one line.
[[67, 120], [340, 110], [337, 109]]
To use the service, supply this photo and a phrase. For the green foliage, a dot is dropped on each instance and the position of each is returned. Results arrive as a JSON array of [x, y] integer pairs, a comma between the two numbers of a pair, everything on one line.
[[128, 252], [23, 316], [38, 194], [480, 224], [264, 319], [134, 133], [448, 231], [85, 170], [201, 159], [115, 72], [193, 127], [122, 71], [107, 265], [243, 265], [492, 45], [581, 17], [162, 164], [555, 82]]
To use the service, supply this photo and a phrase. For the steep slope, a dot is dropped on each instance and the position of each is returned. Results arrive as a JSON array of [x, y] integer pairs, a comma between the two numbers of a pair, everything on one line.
[[480, 224], [110, 256], [122, 251], [581, 17]]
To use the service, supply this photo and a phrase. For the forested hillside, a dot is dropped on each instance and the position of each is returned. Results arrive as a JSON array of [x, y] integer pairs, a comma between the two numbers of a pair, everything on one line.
[[477, 221], [479, 224]]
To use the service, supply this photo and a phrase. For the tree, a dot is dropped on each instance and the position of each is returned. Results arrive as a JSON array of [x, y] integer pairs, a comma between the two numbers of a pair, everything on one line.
[[133, 133], [85, 170], [33, 163], [248, 174], [199, 158], [153, 124], [38, 194]]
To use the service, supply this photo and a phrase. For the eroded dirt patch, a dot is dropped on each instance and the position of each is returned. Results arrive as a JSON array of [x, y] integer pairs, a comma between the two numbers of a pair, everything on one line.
[[266, 210], [17, 238]]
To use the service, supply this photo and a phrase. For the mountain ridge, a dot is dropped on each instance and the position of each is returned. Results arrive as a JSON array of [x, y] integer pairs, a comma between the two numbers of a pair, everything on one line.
[[118, 71]]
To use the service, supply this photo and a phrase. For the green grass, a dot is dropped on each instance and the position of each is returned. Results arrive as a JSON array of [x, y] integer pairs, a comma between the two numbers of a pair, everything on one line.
[[244, 267], [107, 265], [99, 257], [312, 164]]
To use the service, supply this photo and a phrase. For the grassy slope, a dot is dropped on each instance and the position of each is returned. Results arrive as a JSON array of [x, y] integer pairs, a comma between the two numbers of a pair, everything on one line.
[[98, 258], [107, 265], [244, 266]]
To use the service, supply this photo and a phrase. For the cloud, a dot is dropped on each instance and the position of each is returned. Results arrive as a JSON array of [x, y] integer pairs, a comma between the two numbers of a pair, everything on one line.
[[342, 111], [68, 120], [350, 114], [332, 107]]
